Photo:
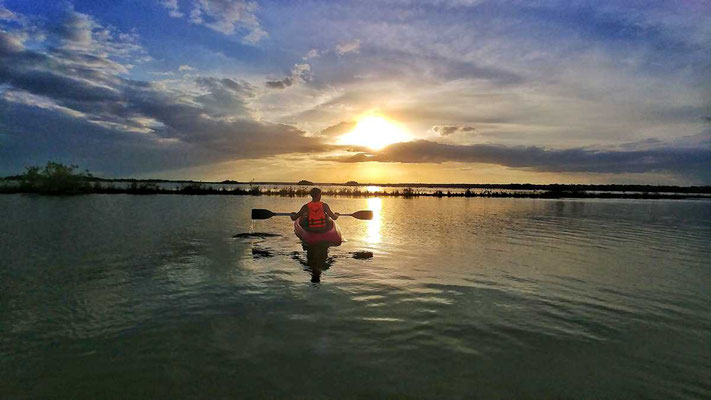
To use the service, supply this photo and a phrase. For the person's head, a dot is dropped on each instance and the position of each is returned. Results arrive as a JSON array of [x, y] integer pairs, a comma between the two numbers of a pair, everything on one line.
[[316, 194]]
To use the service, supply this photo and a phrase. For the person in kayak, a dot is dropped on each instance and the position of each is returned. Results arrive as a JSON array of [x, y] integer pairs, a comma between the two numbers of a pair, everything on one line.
[[316, 214]]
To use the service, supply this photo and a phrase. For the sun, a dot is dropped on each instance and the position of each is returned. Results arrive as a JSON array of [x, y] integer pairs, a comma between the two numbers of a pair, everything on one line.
[[375, 132]]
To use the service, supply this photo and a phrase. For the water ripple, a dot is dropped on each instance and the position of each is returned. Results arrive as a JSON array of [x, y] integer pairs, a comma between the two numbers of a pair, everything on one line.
[[489, 298]]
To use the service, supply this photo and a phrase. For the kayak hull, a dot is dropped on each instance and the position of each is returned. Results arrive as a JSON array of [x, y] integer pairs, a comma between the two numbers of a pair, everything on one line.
[[331, 237]]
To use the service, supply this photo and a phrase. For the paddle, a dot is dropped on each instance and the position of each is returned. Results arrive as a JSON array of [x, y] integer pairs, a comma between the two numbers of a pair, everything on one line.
[[260, 213], [362, 214]]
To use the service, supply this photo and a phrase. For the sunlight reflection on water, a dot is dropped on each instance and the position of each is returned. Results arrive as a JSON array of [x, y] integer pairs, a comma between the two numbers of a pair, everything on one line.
[[373, 234]]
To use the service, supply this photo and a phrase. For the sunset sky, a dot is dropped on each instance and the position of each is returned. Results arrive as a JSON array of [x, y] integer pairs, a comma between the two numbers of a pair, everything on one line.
[[373, 91]]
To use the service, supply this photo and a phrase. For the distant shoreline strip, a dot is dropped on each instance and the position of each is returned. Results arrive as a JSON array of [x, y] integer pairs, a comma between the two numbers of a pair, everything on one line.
[[554, 192]]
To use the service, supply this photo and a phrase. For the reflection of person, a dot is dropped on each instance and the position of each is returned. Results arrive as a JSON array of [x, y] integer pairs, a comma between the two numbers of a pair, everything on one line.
[[316, 214], [317, 261]]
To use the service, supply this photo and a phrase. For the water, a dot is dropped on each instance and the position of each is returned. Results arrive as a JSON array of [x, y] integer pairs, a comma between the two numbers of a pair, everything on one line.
[[119, 296]]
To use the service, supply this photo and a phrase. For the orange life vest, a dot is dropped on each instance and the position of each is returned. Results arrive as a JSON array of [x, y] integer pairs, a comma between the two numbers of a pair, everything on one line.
[[317, 217]]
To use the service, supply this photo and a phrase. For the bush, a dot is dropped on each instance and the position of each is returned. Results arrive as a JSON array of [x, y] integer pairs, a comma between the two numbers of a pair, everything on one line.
[[143, 188], [193, 188], [55, 178]]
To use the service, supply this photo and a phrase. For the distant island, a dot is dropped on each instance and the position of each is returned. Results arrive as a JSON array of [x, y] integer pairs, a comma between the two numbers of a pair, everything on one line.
[[59, 179]]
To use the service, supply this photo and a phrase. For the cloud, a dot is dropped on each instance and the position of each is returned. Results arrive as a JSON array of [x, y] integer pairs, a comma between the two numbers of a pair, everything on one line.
[[76, 31], [342, 48], [173, 9], [10, 43], [649, 143], [80, 36], [446, 130], [224, 16], [574, 73], [352, 46], [184, 68], [313, 53], [546, 75], [76, 96], [280, 84], [299, 73], [224, 97], [685, 161], [7, 15], [338, 129]]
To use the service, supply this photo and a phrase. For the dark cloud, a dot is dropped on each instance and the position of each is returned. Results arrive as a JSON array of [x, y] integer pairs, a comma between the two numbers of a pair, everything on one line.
[[76, 30], [446, 130], [56, 86], [299, 73], [33, 135], [359, 156], [225, 96], [691, 161], [642, 144], [280, 84], [9, 44], [338, 129]]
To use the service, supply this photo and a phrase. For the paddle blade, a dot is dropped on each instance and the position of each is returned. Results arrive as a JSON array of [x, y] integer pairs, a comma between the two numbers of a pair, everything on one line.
[[260, 213], [363, 214]]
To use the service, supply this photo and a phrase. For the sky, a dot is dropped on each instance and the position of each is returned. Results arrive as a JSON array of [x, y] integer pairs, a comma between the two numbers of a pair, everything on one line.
[[450, 91]]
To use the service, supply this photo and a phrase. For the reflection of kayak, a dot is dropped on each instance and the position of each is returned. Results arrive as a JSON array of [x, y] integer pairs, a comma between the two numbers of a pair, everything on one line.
[[330, 237]]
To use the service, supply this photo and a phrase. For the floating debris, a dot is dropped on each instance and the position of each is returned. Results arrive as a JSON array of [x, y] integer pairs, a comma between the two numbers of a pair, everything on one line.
[[259, 253], [362, 255], [255, 235]]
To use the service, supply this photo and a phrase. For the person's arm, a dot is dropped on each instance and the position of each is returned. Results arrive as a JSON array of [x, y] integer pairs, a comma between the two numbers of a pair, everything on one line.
[[303, 212], [327, 209]]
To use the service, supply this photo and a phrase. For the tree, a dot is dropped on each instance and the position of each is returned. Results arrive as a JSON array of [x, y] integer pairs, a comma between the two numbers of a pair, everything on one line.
[[55, 178]]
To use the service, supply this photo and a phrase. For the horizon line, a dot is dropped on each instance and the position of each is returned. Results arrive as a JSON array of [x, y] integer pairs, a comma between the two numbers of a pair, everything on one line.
[[391, 184]]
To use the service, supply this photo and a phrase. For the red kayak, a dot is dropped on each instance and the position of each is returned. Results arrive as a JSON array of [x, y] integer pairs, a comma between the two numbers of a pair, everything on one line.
[[331, 237]]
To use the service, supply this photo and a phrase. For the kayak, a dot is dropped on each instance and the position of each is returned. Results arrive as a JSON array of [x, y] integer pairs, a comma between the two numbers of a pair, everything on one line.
[[330, 237]]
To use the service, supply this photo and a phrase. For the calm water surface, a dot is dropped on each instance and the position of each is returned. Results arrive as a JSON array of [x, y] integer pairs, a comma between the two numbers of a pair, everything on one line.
[[119, 296]]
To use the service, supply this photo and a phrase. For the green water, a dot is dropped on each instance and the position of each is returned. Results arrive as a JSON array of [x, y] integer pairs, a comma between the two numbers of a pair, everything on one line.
[[119, 296]]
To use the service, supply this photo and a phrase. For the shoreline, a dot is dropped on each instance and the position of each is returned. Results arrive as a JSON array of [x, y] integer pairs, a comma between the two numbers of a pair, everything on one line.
[[569, 187], [559, 192]]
